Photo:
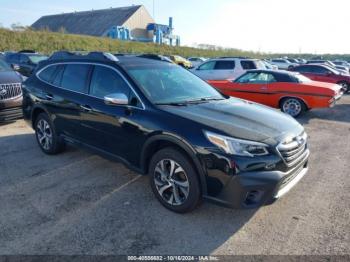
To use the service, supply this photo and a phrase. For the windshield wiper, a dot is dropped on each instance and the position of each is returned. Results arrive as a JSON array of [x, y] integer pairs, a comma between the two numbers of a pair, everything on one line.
[[203, 100], [171, 104]]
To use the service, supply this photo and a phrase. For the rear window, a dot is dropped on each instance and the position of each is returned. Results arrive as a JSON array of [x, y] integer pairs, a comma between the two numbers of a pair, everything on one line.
[[224, 65], [248, 64], [75, 77]]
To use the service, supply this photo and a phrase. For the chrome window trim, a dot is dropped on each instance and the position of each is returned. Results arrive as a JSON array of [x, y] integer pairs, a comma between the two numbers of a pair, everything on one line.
[[94, 64]]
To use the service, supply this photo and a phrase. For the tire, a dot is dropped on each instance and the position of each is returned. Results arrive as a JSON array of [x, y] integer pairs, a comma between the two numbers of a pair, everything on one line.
[[178, 191], [345, 86], [293, 106], [46, 135]]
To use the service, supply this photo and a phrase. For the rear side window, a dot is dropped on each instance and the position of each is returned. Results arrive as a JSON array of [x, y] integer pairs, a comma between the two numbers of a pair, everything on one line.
[[106, 81], [75, 77], [224, 65], [14, 58], [303, 69], [246, 64], [57, 78], [47, 74]]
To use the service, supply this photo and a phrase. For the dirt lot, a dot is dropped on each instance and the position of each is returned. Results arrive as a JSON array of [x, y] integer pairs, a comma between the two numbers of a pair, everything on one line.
[[78, 203]]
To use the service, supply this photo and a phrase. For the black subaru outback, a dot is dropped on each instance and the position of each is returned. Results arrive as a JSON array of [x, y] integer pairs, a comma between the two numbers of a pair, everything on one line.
[[161, 120]]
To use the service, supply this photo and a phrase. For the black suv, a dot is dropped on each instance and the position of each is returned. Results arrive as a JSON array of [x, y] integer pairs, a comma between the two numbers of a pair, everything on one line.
[[159, 119], [10, 93], [24, 61]]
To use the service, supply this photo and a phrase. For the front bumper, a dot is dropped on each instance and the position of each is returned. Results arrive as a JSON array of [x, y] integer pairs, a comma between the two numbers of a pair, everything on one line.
[[257, 188], [11, 109]]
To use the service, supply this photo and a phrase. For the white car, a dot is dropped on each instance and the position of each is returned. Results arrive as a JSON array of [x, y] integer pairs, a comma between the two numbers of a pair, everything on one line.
[[196, 61], [283, 64], [226, 68]]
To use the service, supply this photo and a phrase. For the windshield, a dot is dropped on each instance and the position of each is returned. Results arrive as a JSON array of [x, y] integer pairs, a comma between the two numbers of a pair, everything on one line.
[[4, 66], [172, 84], [37, 58]]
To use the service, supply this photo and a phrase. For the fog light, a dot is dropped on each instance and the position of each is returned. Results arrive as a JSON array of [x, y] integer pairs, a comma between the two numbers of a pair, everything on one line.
[[253, 197]]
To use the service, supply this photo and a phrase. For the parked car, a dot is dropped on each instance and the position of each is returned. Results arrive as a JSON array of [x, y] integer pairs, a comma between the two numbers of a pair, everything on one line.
[[291, 92], [268, 65], [326, 62], [226, 68], [344, 64], [10, 93], [160, 119], [293, 60], [283, 63], [196, 61], [24, 61], [324, 73], [181, 61]]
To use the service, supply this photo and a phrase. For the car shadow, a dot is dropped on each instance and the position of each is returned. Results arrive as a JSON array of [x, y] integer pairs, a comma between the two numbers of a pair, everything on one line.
[[339, 113], [78, 203]]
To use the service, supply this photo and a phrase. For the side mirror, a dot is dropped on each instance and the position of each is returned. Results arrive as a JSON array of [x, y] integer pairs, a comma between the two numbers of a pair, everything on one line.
[[116, 99], [15, 67]]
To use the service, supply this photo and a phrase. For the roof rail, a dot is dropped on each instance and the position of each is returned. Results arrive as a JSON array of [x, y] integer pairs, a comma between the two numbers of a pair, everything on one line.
[[239, 57], [156, 57], [60, 55], [27, 51]]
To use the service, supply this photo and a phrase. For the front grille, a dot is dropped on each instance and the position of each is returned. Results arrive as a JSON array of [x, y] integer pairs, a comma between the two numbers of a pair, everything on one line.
[[8, 91], [293, 151]]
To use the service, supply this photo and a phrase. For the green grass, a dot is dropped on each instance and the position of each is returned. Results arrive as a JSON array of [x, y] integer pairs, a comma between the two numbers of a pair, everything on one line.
[[48, 42]]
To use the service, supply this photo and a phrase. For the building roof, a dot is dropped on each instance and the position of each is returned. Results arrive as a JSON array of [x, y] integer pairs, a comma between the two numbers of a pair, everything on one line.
[[94, 22]]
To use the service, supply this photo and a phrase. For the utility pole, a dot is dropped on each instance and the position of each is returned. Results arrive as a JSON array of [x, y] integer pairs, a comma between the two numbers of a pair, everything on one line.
[[153, 12]]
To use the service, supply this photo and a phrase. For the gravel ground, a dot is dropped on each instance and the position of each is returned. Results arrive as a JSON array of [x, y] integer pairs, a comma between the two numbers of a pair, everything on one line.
[[78, 203]]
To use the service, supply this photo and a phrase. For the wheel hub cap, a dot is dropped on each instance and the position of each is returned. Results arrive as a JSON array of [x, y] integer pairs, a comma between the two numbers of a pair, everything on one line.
[[44, 134], [171, 182]]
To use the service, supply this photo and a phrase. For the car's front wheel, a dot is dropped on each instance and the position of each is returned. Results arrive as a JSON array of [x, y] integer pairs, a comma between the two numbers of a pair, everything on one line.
[[46, 135], [174, 180], [345, 86], [293, 106]]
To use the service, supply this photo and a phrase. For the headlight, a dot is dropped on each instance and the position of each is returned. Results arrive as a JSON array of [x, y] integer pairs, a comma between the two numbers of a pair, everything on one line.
[[237, 146]]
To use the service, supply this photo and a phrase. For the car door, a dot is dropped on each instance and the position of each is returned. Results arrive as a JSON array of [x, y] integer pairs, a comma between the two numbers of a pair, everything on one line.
[[253, 86], [323, 74], [112, 128], [224, 69], [206, 70], [64, 97]]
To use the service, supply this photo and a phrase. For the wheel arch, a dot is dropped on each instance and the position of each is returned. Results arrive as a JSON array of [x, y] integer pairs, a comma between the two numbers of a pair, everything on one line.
[[296, 97], [160, 141], [37, 111]]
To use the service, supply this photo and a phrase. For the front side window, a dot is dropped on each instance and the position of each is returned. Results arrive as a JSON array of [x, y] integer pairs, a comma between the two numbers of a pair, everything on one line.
[[224, 65], [170, 84], [207, 66], [106, 81], [75, 77], [320, 70]]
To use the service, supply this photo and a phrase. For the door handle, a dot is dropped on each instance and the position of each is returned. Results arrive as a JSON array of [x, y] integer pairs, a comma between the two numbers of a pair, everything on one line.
[[86, 108], [49, 96], [263, 88]]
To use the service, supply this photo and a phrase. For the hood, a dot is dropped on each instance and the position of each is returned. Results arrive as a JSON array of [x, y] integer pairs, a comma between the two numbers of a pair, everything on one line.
[[240, 119], [7, 77]]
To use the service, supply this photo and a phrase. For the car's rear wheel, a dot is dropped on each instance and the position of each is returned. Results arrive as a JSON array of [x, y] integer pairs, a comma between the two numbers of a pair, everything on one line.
[[174, 180], [46, 135], [293, 106]]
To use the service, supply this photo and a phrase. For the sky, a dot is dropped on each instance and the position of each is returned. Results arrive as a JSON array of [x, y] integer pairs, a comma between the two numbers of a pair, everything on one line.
[[270, 26]]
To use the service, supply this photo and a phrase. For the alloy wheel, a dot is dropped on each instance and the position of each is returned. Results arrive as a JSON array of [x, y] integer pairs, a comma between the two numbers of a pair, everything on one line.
[[292, 107], [44, 134], [171, 182]]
